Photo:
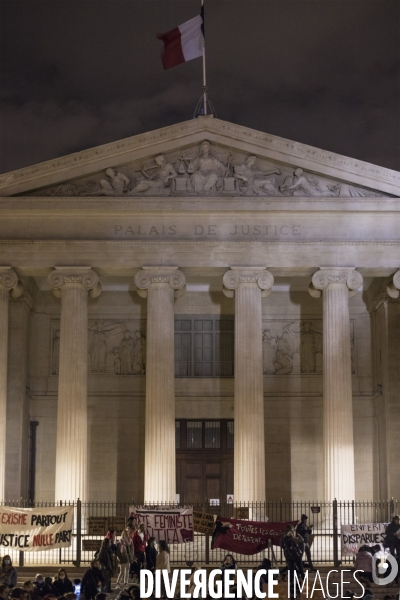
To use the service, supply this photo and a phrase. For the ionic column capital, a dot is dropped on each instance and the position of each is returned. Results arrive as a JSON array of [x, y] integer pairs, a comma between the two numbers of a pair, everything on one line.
[[393, 288], [9, 281], [326, 276], [85, 276], [169, 276], [237, 276]]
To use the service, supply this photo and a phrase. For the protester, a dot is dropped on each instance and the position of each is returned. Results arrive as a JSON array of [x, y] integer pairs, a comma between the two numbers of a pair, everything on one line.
[[292, 552], [151, 554], [92, 580], [364, 562], [124, 555], [48, 584], [105, 559], [61, 584], [392, 540], [8, 573], [228, 563], [162, 561], [110, 535], [70, 596], [28, 587], [4, 591], [368, 595], [266, 564], [39, 588], [304, 531], [139, 544], [19, 593], [101, 596]]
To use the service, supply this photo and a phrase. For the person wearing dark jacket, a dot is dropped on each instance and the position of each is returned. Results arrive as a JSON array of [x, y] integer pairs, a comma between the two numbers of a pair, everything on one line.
[[392, 539], [40, 590], [105, 559], [61, 584], [304, 531], [151, 554], [92, 580], [290, 546], [8, 573]]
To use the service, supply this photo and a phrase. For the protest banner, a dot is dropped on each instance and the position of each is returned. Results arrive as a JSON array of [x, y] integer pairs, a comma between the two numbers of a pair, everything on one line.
[[247, 537], [355, 536], [174, 525], [203, 522], [28, 529]]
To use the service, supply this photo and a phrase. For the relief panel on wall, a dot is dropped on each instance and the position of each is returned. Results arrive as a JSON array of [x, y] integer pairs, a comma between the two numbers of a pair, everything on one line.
[[295, 347], [114, 347]]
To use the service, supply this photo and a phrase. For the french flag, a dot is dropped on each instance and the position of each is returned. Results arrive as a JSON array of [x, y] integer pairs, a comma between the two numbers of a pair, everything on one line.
[[183, 43]]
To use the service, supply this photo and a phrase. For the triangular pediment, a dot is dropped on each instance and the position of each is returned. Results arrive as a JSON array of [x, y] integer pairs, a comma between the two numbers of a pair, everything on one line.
[[173, 161]]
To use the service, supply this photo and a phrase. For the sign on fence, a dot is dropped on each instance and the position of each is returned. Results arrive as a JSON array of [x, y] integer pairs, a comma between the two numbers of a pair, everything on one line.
[[203, 522], [247, 537], [100, 525], [241, 512], [116, 523], [28, 529], [355, 536], [97, 525], [91, 545], [174, 525]]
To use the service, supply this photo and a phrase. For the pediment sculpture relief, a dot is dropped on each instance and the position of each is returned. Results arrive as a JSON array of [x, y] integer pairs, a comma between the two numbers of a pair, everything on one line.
[[112, 349], [296, 347], [208, 171]]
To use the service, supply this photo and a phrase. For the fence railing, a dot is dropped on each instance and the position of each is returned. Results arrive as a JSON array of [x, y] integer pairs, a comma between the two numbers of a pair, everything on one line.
[[326, 518]]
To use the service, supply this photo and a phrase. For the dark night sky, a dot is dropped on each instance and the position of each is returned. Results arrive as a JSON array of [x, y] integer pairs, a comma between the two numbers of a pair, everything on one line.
[[79, 73]]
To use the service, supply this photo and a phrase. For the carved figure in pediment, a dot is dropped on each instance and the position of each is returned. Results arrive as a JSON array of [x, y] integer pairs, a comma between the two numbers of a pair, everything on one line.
[[255, 181], [300, 185], [117, 185], [269, 352], [344, 190], [208, 171], [161, 180], [126, 348], [139, 354], [56, 353]]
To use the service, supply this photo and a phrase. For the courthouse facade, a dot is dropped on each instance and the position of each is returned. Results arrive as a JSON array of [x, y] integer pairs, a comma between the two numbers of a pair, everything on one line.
[[203, 310]]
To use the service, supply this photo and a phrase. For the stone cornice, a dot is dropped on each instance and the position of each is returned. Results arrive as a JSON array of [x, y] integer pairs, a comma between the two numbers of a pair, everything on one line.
[[266, 145]]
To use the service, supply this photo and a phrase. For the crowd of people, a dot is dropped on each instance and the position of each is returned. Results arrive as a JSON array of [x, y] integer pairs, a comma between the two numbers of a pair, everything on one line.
[[135, 550]]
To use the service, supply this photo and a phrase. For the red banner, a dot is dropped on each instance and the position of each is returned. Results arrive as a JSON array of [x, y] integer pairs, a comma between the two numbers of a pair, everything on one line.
[[247, 537]]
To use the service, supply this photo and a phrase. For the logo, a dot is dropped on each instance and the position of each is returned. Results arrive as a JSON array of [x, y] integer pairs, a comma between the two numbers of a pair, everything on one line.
[[385, 559]]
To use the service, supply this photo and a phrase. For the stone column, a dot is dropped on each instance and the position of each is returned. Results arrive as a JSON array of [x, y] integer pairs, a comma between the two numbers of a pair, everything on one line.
[[8, 281], [336, 284], [72, 284], [248, 284], [160, 285]]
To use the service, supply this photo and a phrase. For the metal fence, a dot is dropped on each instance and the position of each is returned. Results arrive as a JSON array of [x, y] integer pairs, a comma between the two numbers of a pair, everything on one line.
[[326, 517]]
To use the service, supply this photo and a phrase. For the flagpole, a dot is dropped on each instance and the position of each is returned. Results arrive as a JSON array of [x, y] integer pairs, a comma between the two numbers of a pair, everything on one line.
[[204, 72]]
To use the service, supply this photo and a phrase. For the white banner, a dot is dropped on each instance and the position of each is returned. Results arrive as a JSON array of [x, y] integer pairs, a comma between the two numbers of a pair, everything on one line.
[[362, 534], [28, 529], [174, 525]]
